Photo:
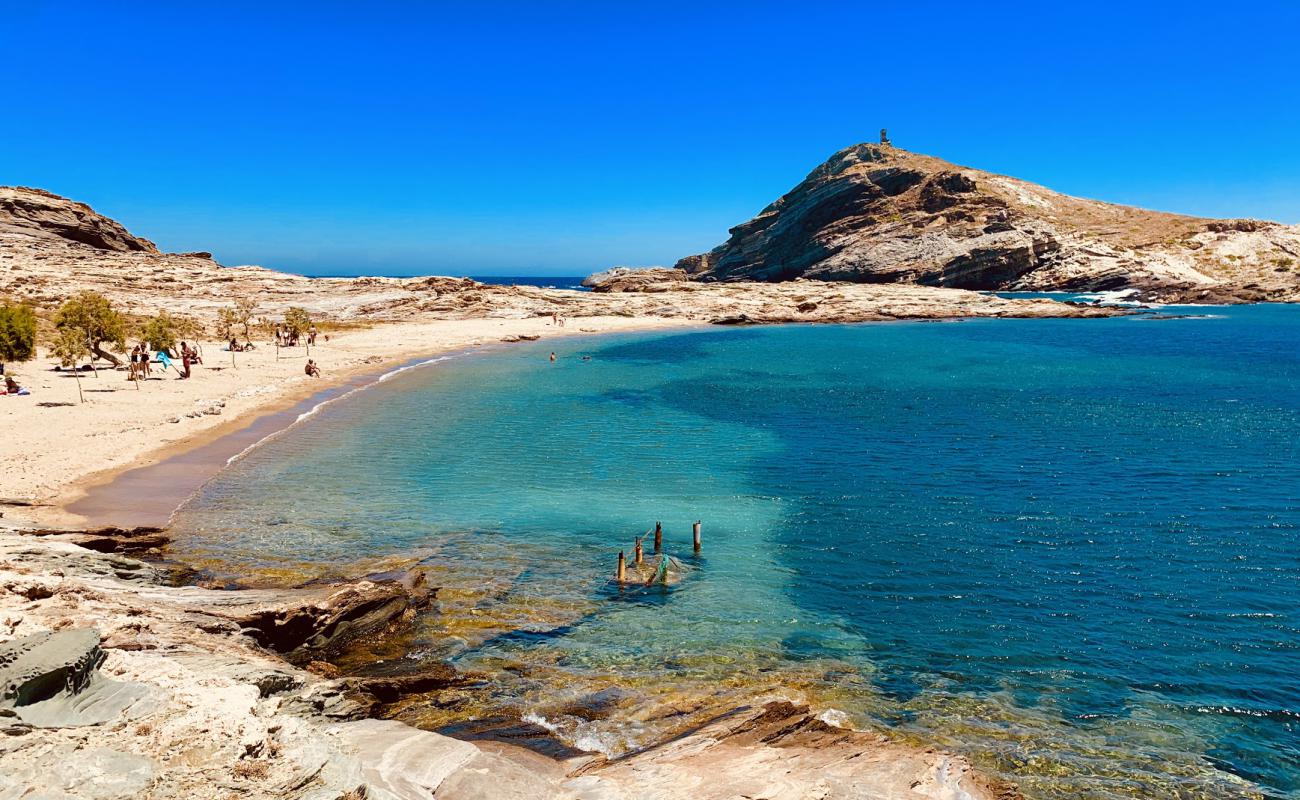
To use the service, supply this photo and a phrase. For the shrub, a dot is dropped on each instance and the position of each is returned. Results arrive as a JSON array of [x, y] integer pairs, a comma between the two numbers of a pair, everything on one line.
[[297, 320], [160, 332], [17, 332]]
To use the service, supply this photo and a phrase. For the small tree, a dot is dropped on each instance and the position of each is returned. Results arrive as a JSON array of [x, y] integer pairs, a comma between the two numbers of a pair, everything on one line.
[[69, 348], [243, 311], [298, 321], [17, 333], [226, 323], [160, 332], [94, 321], [188, 328], [239, 315]]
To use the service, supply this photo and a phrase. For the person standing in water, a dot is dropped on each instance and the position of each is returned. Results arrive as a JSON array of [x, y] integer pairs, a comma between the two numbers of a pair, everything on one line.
[[552, 356]]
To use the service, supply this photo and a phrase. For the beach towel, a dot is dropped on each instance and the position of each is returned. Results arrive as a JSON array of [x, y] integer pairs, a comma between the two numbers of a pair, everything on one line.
[[164, 360], [21, 391]]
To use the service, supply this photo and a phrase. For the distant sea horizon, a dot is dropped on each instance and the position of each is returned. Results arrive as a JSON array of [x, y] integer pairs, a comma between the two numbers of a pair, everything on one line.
[[570, 282]]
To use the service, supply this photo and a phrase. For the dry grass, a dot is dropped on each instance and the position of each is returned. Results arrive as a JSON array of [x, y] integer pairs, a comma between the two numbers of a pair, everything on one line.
[[251, 770]]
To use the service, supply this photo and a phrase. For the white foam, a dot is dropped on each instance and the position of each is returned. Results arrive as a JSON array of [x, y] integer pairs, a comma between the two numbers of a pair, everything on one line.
[[314, 410]]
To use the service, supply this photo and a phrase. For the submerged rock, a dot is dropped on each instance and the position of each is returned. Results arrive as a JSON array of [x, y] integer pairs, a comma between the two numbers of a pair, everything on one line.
[[315, 622]]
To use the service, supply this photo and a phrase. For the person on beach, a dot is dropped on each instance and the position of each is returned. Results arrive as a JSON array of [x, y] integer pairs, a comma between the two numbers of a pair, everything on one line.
[[12, 387], [185, 362], [311, 336], [311, 369]]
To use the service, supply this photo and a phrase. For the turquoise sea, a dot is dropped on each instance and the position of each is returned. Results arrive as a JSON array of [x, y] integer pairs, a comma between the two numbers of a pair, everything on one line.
[[1069, 549]]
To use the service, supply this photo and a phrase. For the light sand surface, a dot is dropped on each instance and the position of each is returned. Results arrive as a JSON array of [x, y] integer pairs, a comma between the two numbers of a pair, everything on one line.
[[56, 446]]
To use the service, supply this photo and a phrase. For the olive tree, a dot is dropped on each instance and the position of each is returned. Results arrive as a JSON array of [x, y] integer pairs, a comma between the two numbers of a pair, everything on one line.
[[90, 317]]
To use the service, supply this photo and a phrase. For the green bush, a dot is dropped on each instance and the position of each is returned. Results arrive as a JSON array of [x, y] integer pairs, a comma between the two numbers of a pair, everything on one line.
[[297, 320], [160, 332], [17, 332]]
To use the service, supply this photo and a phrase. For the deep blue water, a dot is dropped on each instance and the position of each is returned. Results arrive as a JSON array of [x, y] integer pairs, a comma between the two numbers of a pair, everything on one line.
[[1067, 548], [573, 282]]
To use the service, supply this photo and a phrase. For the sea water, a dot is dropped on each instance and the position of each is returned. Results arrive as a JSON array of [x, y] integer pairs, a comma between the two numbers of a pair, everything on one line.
[[1069, 549]]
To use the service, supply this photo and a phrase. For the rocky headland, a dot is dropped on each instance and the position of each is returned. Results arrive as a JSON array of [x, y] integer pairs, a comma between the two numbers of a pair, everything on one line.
[[874, 213]]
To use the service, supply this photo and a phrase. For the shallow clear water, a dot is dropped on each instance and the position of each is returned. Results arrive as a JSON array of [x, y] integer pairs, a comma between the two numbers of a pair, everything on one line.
[[1067, 548]]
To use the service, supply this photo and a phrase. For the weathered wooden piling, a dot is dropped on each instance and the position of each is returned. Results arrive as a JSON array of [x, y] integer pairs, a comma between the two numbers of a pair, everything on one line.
[[621, 575], [640, 557], [659, 537], [695, 534]]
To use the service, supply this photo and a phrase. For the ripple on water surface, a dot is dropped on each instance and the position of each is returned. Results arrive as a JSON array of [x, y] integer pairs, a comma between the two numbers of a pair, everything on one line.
[[1067, 548]]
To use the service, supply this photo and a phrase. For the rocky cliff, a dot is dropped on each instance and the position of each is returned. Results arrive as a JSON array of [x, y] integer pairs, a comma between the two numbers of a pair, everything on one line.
[[40, 214], [878, 214]]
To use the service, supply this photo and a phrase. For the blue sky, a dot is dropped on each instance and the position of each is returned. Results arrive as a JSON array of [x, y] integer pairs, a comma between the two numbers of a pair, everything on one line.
[[561, 138]]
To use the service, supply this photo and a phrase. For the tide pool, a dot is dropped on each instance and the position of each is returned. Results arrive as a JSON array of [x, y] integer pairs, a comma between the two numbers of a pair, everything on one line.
[[1069, 549]]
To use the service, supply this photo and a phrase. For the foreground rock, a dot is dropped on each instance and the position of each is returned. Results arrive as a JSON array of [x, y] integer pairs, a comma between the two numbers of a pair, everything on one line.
[[144, 540], [215, 715], [316, 623], [782, 752], [51, 680], [874, 213]]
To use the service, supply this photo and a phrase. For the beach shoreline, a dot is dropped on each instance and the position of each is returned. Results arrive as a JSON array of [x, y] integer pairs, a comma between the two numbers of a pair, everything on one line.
[[84, 492]]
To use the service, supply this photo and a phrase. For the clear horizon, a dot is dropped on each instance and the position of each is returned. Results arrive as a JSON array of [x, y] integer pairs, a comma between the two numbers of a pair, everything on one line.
[[516, 140]]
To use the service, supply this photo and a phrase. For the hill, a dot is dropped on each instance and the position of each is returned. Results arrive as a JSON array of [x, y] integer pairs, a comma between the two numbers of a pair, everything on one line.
[[874, 213]]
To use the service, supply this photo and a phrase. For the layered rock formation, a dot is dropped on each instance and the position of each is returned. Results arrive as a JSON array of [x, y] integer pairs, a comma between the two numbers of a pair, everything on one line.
[[42, 215], [877, 214]]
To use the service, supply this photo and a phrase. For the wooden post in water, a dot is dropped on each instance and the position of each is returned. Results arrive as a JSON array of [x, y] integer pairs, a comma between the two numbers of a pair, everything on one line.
[[621, 575], [695, 533], [639, 556], [659, 537]]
